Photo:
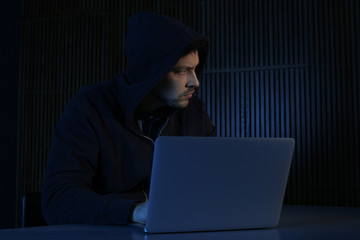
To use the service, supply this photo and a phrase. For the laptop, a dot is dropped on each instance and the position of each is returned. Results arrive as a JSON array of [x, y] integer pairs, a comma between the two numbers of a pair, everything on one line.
[[214, 183]]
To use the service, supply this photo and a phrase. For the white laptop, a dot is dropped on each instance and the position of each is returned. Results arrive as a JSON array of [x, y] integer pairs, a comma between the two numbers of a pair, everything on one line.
[[213, 183]]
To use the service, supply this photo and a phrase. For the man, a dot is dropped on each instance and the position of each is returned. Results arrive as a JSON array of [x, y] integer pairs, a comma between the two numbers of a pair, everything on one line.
[[100, 160]]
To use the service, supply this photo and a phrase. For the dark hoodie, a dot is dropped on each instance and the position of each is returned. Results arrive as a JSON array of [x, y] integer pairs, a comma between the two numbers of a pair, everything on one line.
[[100, 162]]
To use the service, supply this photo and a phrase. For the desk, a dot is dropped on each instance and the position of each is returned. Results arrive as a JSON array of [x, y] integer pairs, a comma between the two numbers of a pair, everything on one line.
[[296, 222]]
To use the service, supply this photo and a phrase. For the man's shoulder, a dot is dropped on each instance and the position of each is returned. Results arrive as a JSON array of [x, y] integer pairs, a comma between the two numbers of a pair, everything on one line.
[[100, 89], [102, 97]]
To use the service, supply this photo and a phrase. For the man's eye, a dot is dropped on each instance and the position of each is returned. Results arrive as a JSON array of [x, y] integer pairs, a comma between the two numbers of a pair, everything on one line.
[[180, 72]]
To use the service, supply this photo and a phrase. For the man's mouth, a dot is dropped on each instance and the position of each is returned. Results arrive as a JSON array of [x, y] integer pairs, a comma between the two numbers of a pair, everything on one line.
[[189, 94]]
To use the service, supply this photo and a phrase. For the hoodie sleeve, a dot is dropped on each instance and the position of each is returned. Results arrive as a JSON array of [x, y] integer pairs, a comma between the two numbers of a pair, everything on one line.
[[67, 196]]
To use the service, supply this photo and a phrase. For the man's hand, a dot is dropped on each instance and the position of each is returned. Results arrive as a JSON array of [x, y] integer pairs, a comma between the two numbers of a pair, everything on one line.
[[140, 213]]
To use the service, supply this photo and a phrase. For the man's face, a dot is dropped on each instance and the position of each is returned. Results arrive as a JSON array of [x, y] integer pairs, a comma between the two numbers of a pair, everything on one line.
[[180, 83]]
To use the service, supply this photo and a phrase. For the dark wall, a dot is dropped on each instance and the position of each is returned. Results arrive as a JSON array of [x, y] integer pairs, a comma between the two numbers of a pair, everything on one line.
[[277, 69], [9, 67]]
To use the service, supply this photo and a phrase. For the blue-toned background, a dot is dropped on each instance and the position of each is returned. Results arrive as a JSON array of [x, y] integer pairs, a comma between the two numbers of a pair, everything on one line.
[[277, 68]]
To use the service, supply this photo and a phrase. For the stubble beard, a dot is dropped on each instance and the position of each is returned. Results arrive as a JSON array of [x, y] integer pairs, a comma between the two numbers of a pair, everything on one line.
[[177, 103]]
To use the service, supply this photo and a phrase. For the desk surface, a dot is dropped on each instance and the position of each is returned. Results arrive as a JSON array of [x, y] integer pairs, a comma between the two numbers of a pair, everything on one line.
[[296, 222]]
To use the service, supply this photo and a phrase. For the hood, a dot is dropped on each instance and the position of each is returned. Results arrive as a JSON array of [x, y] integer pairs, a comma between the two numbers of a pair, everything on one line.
[[154, 44]]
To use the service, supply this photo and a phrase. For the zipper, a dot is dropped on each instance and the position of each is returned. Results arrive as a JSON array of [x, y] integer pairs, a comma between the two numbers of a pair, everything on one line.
[[141, 135], [146, 196], [146, 137]]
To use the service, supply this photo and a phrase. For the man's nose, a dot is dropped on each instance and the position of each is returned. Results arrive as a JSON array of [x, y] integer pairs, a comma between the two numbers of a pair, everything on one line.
[[193, 80]]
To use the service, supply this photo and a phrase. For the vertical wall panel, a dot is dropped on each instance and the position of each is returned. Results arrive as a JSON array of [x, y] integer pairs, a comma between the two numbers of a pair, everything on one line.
[[309, 96], [276, 69]]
